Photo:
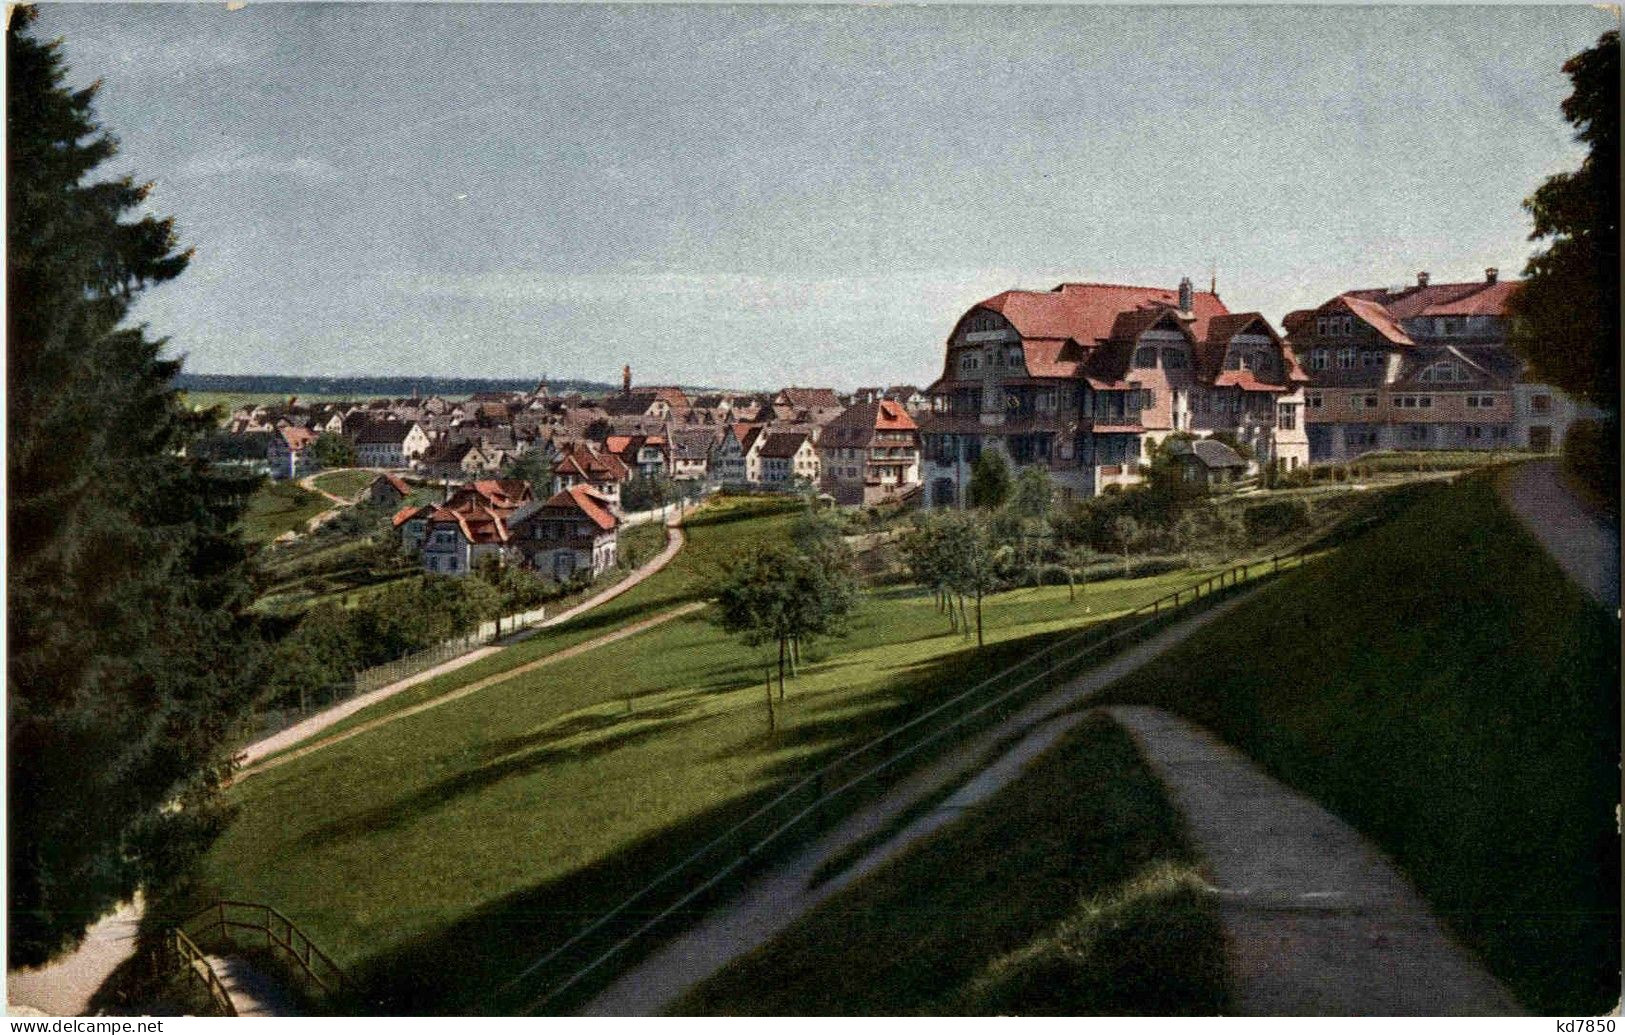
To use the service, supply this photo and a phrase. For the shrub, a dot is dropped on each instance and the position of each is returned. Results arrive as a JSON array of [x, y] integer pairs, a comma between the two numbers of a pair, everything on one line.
[[1591, 457], [1276, 518]]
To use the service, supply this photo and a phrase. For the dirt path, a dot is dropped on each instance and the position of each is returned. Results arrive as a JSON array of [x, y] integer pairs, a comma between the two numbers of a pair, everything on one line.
[[1585, 546], [64, 987], [1318, 921], [773, 901], [474, 687], [301, 731]]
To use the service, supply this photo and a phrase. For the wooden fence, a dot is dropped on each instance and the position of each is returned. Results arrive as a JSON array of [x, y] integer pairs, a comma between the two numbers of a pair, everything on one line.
[[227, 920]]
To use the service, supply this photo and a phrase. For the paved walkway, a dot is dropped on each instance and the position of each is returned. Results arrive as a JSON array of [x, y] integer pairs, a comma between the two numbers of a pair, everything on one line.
[[64, 987], [773, 901], [308, 728], [1585, 546], [1319, 922], [252, 992]]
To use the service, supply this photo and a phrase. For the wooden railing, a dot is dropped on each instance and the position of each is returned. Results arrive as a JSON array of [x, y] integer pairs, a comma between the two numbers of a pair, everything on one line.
[[228, 917], [190, 957], [831, 790]]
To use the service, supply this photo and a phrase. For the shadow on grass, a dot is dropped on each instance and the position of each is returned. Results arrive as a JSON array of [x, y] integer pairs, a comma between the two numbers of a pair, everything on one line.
[[444, 793]]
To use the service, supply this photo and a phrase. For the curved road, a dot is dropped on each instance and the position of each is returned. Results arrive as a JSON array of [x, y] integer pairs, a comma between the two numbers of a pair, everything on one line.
[[1583, 544]]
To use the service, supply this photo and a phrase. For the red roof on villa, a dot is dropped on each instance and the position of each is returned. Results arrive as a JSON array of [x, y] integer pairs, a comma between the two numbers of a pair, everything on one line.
[[1380, 319], [1085, 313], [406, 514], [582, 498]]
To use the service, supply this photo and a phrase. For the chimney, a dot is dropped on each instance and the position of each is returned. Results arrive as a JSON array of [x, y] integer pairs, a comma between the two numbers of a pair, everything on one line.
[[1422, 279], [1186, 300], [1491, 274], [626, 380]]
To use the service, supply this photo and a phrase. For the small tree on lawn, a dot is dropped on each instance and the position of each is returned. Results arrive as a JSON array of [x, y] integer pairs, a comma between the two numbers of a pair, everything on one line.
[[1128, 534], [924, 549], [968, 557], [989, 481], [779, 596]]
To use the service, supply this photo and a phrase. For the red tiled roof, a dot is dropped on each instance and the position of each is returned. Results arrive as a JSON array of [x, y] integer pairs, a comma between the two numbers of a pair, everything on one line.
[[395, 483], [811, 398], [1380, 319], [1086, 312], [588, 502], [1472, 298], [406, 514], [297, 437]]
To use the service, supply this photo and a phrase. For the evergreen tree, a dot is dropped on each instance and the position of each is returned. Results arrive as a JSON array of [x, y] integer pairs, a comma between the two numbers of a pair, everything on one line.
[[1566, 317], [130, 658]]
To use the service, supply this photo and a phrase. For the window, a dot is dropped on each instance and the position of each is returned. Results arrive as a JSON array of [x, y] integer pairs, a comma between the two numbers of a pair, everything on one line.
[[1443, 372], [1286, 418], [1416, 432], [1480, 402], [969, 361], [1174, 358], [1317, 359], [1145, 356], [1474, 431], [1345, 359], [1540, 403], [1370, 359], [1320, 326], [1148, 399], [1012, 356], [1348, 325], [1312, 401], [1232, 361]]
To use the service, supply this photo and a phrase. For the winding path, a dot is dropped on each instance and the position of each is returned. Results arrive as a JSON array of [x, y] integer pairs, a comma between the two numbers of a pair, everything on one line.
[[1584, 545], [1318, 922], [773, 901]]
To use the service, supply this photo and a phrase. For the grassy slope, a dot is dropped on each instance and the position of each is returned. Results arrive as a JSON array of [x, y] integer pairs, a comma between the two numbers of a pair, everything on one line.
[[1073, 891], [1444, 688], [278, 507], [485, 830], [345, 483]]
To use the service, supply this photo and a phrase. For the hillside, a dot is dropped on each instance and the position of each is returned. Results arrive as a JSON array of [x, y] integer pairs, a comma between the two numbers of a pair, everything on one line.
[[1442, 686]]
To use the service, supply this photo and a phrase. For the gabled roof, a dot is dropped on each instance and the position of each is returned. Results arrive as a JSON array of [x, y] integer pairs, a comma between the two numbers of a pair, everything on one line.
[[810, 398], [857, 423], [1472, 298], [783, 445], [297, 437], [407, 513], [384, 432], [395, 482], [1085, 313], [1379, 318]]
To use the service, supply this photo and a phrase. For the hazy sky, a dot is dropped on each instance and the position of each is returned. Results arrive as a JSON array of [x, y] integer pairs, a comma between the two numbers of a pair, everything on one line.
[[749, 195]]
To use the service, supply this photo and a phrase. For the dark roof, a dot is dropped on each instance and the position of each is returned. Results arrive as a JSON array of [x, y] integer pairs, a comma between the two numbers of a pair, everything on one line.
[[782, 445], [1211, 452]]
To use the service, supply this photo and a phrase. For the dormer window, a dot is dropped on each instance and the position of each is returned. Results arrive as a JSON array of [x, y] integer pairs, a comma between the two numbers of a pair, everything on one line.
[[1320, 326], [1174, 358], [1145, 356], [1012, 356], [1348, 325]]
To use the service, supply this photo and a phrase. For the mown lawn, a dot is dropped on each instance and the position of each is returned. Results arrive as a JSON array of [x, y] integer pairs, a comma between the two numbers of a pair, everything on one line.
[[1073, 891], [344, 483], [434, 855], [1443, 687], [278, 507]]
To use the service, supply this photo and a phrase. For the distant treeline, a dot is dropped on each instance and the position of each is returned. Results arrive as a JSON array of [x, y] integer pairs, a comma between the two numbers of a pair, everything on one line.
[[360, 386]]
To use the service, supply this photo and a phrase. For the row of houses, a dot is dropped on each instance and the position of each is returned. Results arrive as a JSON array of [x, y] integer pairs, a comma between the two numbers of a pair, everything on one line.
[[1086, 379], [770, 440]]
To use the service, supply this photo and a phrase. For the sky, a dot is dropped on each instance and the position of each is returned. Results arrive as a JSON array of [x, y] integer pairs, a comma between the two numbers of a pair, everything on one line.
[[753, 196]]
